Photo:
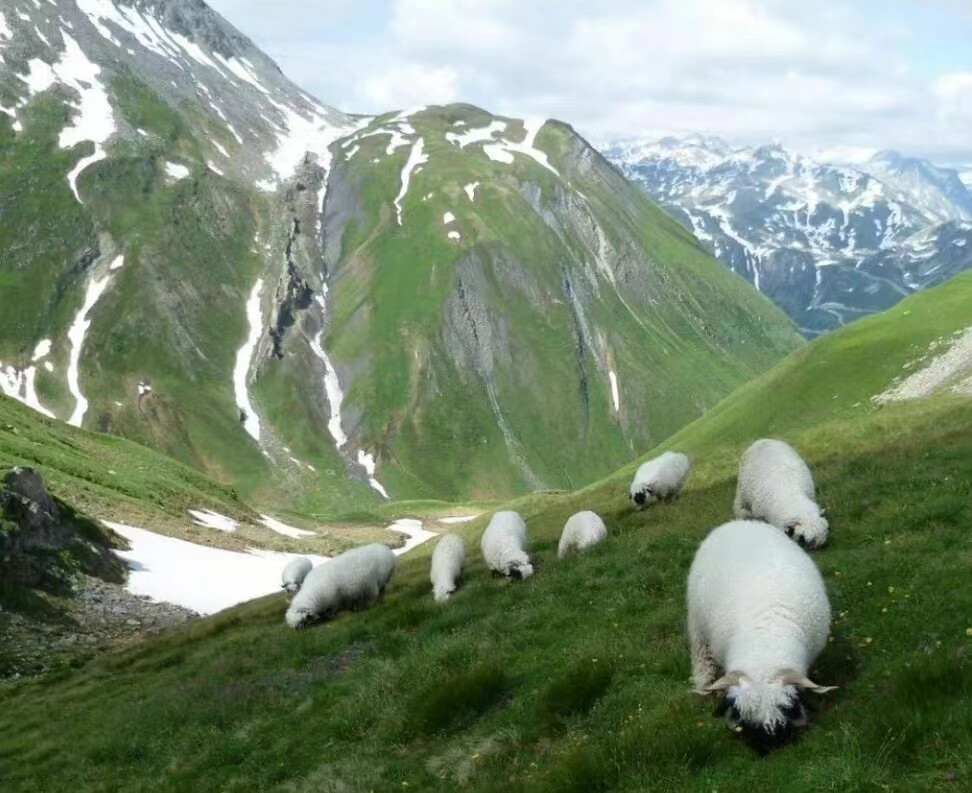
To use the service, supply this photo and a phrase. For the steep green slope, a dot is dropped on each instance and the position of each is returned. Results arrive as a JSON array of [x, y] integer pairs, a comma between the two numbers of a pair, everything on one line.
[[577, 679], [481, 321]]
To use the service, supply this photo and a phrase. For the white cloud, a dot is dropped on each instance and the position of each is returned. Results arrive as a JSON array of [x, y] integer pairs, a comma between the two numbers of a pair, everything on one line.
[[852, 74], [411, 84]]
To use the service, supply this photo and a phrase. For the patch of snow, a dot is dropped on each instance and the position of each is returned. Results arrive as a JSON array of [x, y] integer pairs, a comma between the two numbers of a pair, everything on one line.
[[48, 366], [76, 333], [457, 519], [213, 520], [415, 158], [42, 350], [5, 31], [244, 357], [175, 172], [41, 36], [240, 70], [351, 152], [503, 150], [615, 397], [477, 134], [95, 120], [142, 132], [212, 167], [282, 528], [143, 388], [471, 190], [454, 235], [332, 388], [412, 529], [199, 577], [84, 162], [367, 461], [499, 154], [117, 263], [220, 148], [448, 218], [19, 385]]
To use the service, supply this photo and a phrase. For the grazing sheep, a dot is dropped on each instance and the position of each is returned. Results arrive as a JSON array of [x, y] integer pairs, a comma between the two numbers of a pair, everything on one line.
[[660, 479], [352, 578], [757, 612], [776, 485], [504, 546], [448, 559], [294, 573], [581, 531]]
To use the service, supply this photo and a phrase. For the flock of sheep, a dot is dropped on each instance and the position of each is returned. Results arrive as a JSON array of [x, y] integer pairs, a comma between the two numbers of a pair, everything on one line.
[[758, 613]]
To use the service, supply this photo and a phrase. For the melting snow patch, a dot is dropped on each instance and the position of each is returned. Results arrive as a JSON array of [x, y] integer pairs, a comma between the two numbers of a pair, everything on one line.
[[415, 158], [213, 520], [448, 218], [76, 333], [367, 461], [499, 154], [412, 529], [212, 167], [42, 350], [282, 528], [244, 357], [951, 367], [454, 235], [615, 397], [458, 519], [19, 385], [48, 366], [351, 152], [477, 134], [198, 577], [117, 263], [174, 171], [84, 162], [471, 190]]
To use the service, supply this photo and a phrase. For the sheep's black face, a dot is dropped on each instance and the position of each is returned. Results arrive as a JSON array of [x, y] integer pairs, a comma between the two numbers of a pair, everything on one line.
[[762, 734], [639, 498]]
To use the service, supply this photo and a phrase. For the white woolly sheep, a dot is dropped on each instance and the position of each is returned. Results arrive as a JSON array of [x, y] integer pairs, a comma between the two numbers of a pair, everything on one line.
[[294, 573], [504, 546], [350, 579], [660, 478], [758, 613], [581, 531], [776, 485], [448, 559]]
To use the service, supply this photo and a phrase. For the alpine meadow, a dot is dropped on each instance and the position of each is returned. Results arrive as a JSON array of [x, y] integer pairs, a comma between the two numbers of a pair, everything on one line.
[[323, 433]]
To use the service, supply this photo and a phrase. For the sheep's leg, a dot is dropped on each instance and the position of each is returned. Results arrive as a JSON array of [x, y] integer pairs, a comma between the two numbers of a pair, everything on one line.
[[704, 669], [740, 507]]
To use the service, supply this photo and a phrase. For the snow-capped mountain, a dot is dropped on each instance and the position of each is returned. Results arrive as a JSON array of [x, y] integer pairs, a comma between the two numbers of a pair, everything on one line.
[[827, 242], [435, 302]]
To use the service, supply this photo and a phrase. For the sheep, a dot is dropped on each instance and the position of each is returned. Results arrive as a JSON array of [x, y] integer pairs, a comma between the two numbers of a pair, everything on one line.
[[660, 479], [294, 573], [581, 531], [349, 579], [448, 559], [758, 613], [504, 546], [776, 485]]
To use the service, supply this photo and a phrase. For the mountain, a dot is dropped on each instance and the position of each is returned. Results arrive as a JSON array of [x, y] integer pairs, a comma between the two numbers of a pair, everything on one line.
[[322, 309], [577, 679], [827, 242]]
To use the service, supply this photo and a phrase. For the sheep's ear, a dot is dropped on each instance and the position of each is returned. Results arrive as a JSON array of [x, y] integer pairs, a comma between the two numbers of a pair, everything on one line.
[[724, 682], [789, 677]]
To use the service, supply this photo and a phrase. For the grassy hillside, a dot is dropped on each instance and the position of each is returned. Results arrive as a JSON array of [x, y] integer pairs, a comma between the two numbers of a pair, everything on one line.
[[577, 679]]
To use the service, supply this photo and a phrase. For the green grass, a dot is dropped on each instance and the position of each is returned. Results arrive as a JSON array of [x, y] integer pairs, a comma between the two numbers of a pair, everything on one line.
[[578, 678]]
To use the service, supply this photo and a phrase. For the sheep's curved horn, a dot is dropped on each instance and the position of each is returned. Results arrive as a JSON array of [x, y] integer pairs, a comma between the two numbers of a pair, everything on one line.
[[789, 677], [724, 682]]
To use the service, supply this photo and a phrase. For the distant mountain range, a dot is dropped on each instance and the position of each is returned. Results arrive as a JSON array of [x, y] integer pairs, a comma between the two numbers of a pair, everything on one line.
[[827, 242]]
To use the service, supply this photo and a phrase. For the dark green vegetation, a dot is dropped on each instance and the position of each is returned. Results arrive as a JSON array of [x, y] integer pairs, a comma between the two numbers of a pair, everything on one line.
[[577, 679]]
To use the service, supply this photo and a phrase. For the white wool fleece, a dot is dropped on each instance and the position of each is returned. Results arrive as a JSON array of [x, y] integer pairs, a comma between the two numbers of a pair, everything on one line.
[[660, 478], [581, 531], [757, 606], [353, 577], [448, 559], [294, 573], [775, 485], [504, 545]]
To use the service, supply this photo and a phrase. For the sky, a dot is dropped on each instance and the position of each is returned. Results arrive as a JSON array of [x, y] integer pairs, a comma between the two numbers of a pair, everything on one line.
[[838, 78]]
